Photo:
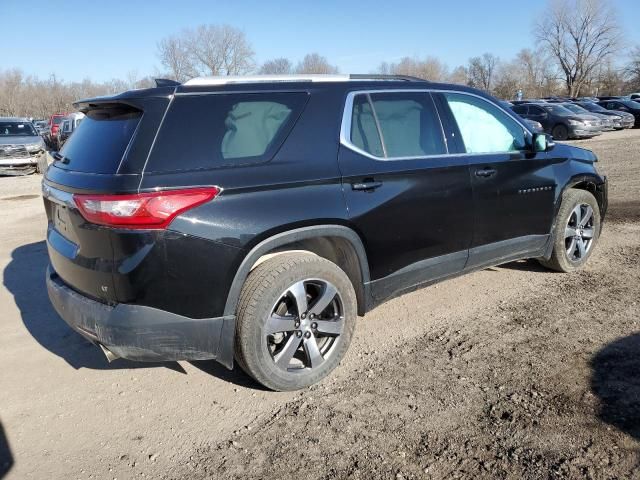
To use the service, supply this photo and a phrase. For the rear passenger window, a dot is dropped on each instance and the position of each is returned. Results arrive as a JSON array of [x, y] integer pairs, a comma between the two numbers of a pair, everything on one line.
[[396, 125], [484, 127], [205, 131]]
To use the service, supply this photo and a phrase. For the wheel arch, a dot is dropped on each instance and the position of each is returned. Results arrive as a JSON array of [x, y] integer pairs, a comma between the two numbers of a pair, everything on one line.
[[595, 185], [336, 243]]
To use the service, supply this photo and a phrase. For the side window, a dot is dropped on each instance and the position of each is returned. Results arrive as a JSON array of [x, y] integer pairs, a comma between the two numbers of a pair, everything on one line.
[[484, 127], [208, 131], [536, 110], [364, 133], [520, 109], [397, 125]]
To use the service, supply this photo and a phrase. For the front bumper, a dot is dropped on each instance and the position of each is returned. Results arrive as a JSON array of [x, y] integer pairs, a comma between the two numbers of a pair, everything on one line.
[[581, 132], [143, 333]]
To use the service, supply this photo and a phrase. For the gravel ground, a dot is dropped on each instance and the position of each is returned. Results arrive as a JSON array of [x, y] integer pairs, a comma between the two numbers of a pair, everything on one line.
[[512, 372]]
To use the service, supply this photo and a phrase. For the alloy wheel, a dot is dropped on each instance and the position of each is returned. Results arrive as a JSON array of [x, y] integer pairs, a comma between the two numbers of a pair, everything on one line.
[[579, 232], [305, 325]]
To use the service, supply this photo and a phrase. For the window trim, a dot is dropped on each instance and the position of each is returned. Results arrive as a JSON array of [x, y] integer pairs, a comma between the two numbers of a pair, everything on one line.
[[345, 128]]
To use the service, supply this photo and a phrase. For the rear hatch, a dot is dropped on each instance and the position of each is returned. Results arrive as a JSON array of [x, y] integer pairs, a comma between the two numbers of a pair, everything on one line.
[[105, 155]]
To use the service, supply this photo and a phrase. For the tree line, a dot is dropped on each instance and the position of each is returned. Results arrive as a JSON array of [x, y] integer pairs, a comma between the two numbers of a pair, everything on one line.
[[579, 47]]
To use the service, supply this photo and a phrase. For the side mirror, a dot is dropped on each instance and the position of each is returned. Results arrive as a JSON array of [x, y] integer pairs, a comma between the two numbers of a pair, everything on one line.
[[542, 142]]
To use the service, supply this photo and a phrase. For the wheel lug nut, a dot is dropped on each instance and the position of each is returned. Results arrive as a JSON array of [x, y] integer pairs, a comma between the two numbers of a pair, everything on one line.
[[303, 316], [307, 334], [312, 316], [297, 324], [298, 334], [314, 325]]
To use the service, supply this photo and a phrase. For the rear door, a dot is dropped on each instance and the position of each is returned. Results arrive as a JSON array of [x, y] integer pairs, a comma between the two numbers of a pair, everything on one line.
[[513, 187], [407, 197]]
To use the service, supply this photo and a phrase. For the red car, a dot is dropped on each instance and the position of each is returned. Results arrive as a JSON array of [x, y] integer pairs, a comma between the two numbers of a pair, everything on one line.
[[54, 123]]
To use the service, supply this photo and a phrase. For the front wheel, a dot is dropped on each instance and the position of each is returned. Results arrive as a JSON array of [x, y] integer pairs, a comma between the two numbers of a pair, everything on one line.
[[560, 132], [296, 317], [576, 231]]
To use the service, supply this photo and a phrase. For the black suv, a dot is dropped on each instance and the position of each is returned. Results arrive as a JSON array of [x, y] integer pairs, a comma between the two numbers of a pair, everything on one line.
[[248, 219]]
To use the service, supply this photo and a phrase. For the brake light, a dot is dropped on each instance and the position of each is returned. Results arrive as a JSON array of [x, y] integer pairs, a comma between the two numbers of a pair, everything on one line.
[[152, 210]]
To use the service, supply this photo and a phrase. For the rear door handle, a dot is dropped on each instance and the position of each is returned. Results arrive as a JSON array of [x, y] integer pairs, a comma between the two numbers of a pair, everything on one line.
[[369, 185], [485, 172]]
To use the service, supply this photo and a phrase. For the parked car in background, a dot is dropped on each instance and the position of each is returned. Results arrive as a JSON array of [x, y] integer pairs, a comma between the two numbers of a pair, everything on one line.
[[556, 120], [21, 147], [42, 127], [67, 127], [221, 218], [54, 125], [634, 96], [606, 123], [535, 126], [623, 105], [620, 119], [609, 97]]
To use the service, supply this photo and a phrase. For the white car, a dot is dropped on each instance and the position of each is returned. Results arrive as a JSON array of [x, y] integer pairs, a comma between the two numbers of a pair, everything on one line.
[[21, 147]]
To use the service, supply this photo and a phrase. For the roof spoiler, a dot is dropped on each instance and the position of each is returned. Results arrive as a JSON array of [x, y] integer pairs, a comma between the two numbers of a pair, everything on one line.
[[165, 82]]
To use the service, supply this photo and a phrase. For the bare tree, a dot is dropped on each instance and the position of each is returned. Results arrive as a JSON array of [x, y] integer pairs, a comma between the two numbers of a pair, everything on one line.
[[429, 68], [480, 71], [632, 71], [206, 50], [220, 50], [580, 35], [277, 66], [458, 75], [175, 57], [315, 63]]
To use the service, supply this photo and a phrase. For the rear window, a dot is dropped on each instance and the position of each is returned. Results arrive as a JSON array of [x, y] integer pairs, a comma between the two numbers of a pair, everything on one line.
[[100, 141], [208, 131]]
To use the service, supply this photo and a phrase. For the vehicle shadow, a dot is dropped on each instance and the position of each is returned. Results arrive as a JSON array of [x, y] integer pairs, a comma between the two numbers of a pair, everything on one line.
[[528, 265], [616, 382], [24, 277], [237, 376], [6, 457]]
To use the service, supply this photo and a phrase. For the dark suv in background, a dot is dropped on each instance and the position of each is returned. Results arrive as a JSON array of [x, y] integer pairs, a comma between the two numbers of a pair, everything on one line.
[[235, 217]]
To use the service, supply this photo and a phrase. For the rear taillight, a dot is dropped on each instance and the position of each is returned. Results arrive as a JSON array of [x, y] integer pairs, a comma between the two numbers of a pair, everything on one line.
[[152, 210]]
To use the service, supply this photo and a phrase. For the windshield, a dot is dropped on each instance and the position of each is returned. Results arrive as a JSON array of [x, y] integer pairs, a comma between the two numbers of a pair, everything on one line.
[[57, 120], [16, 129], [630, 103], [593, 107], [575, 108], [557, 109]]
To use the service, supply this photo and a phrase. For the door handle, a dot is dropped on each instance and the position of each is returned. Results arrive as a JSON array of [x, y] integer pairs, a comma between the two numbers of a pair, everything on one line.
[[368, 185], [485, 172]]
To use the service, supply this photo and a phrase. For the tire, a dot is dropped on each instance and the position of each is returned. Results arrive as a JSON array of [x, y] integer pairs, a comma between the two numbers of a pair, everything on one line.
[[560, 132], [42, 166], [568, 255], [269, 324]]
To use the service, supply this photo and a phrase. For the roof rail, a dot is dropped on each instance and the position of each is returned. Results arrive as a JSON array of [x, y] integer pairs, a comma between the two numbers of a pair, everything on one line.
[[379, 76], [225, 80]]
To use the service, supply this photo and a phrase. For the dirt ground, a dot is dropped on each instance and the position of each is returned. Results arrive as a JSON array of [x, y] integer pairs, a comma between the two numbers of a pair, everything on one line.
[[511, 372]]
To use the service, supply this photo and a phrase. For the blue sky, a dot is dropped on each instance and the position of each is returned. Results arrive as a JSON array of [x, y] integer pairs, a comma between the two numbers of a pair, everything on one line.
[[78, 39]]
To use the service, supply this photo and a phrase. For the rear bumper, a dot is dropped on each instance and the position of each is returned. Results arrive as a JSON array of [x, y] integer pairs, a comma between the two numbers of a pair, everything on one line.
[[143, 333]]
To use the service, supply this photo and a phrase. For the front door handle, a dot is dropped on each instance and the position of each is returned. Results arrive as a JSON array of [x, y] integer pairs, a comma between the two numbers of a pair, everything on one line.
[[485, 172], [368, 185]]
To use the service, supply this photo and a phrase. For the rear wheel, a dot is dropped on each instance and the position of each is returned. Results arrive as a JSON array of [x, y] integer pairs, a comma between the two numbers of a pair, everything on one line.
[[560, 132], [576, 232], [296, 317]]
